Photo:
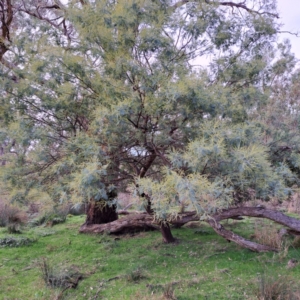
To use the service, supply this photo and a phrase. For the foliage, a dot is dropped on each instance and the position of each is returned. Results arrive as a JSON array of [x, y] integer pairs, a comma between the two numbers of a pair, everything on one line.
[[123, 93], [100, 96], [221, 166]]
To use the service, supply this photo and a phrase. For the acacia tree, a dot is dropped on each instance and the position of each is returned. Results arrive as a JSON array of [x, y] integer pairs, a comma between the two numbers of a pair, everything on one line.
[[113, 100]]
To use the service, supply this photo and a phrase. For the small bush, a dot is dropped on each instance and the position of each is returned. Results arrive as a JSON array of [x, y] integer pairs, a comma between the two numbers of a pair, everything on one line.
[[12, 217], [15, 242], [53, 217], [294, 204], [136, 275], [296, 242], [276, 288], [268, 235], [169, 292], [13, 228], [58, 278]]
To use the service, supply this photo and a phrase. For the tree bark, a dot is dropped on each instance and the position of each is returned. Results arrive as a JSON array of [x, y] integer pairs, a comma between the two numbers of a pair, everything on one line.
[[166, 233], [131, 223], [230, 236], [99, 212], [259, 212]]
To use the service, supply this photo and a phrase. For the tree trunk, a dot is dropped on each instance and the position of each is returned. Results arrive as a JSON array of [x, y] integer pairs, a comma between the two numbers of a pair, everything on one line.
[[166, 233], [99, 212]]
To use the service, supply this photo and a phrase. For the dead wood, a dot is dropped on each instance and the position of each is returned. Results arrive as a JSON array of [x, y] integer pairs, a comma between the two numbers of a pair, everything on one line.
[[131, 222]]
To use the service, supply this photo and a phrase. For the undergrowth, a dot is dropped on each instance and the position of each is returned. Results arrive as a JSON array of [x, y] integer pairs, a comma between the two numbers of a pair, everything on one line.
[[201, 265], [277, 287]]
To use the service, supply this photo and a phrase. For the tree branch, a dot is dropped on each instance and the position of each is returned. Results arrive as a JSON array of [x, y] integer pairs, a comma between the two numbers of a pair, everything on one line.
[[230, 4]]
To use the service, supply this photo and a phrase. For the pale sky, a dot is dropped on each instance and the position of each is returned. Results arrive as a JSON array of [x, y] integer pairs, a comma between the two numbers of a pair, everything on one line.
[[289, 12]]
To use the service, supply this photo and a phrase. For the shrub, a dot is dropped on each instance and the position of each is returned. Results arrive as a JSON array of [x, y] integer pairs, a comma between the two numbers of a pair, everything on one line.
[[169, 292], [59, 278], [136, 275], [268, 235], [13, 228], [277, 288], [52, 217], [15, 242], [12, 217], [294, 204], [296, 242]]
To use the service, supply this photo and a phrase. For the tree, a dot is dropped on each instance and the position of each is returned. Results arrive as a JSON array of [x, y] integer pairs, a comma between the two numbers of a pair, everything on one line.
[[104, 96]]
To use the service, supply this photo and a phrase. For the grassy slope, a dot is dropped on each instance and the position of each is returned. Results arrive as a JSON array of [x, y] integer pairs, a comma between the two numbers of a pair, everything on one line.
[[200, 266]]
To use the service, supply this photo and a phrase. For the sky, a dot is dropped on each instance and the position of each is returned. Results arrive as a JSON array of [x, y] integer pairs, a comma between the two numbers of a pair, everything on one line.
[[289, 12]]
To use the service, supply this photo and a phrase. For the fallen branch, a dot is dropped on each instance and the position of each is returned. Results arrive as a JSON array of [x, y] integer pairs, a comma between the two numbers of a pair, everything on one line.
[[143, 221], [132, 222], [230, 236], [259, 212]]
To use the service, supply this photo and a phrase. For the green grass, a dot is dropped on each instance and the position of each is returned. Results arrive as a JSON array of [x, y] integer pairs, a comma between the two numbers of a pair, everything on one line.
[[201, 265]]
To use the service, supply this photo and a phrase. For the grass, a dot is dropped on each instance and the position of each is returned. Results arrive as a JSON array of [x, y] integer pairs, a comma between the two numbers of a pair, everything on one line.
[[201, 265]]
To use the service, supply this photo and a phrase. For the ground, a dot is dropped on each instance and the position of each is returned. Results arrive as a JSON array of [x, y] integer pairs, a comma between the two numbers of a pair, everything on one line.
[[201, 265]]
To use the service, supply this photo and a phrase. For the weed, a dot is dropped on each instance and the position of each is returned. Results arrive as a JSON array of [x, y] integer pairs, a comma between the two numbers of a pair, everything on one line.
[[53, 217], [51, 248], [108, 243], [12, 217], [277, 288], [169, 292], [283, 250], [296, 242], [37, 221], [294, 204], [136, 275], [141, 296], [292, 263], [13, 228], [58, 278], [268, 235]]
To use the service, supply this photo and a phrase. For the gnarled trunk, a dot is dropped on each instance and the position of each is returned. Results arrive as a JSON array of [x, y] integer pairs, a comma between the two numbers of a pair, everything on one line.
[[166, 233], [164, 227], [99, 212]]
